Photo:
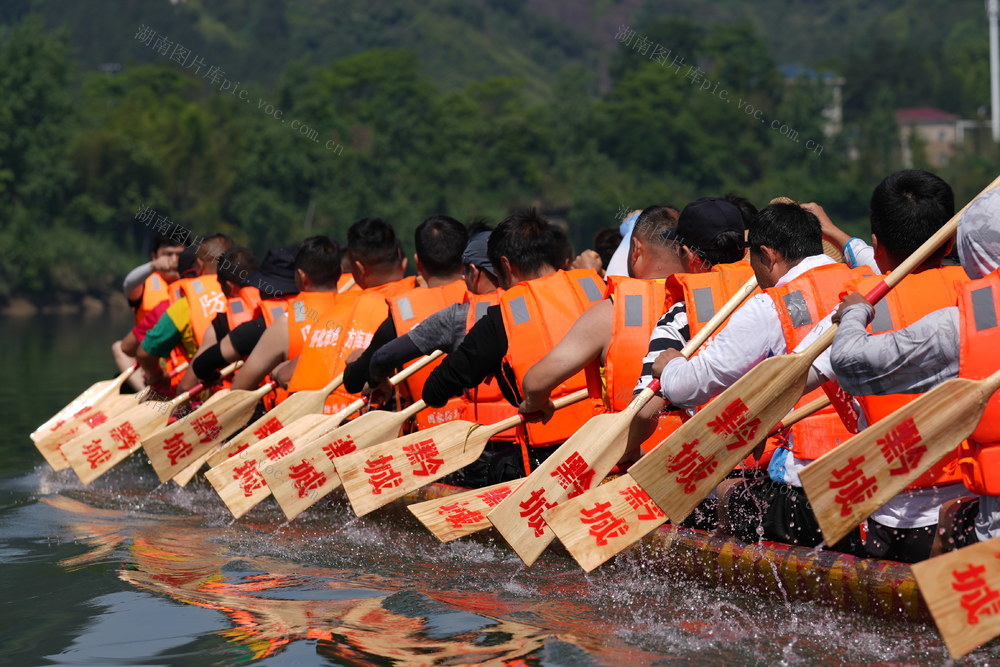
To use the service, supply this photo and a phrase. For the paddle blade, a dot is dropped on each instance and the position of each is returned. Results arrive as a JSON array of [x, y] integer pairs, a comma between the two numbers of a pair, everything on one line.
[[461, 514], [239, 481], [385, 472], [685, 467], [186, 440], [850, 482], [184, 477], [297, 405], [604, 521], [85, 399], [961, 590], [93, 454], [579, 464], [85, 420], [291, 480]]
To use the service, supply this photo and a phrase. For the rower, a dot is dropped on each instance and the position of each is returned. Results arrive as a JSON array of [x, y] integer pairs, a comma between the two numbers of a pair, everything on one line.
[[801, 285], [145, 287], [195, 299], [957, 341], [538, 308], [377, 260]]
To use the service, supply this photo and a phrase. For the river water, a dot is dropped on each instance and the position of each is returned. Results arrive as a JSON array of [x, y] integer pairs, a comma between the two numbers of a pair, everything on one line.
[[127, 572]]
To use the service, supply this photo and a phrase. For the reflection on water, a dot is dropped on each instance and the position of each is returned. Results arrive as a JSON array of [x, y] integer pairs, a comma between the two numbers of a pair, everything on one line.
[[127, 572]]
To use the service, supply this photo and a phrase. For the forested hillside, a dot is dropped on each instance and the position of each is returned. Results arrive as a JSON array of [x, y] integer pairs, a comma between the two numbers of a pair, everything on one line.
[[272, 120]]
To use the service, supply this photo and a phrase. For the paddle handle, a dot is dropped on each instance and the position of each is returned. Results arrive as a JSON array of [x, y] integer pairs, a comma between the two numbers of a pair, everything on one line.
[[414, 367], [411, 410], [741, 295], [347, 286], [992, 383], [921, 254], [228, 370], [797, 415], [334, 384], [562, 402], [643, 397]]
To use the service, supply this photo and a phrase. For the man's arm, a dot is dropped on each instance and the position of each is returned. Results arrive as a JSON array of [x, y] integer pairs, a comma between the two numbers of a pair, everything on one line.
[[478, 357], [908, 361], [586, 341], [856, 252], [134, 281], [269, 352]]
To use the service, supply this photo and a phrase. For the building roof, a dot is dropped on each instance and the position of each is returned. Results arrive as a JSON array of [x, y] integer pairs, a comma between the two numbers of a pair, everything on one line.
[[919, 115]]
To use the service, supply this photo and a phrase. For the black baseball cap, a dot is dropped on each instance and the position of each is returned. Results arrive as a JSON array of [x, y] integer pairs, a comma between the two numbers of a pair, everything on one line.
[[703, 220]]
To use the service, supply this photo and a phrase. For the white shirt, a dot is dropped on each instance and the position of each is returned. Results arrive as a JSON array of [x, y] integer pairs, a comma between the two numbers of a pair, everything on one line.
[[618, 264], [857, 253]]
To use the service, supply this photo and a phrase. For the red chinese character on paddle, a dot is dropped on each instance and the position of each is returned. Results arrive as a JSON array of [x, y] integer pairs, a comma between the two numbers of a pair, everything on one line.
[[306, 477], [339, 447], [603, 524], [735, 420], [532, 509], [423, 454], [494, 497], [638, 499], [96, 454], [272, 425], [458, 514], [238, 450], [284, 447], [176, 448], [978, 598], [902, 445], [574, 472], [691, 466], [207, 426], [854, 485], [96, 419], [125, 436], [82, 411], [249, 478], [381, 475]]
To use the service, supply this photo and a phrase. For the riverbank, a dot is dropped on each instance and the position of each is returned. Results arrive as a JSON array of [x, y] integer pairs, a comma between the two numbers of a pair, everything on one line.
[[87, 305]]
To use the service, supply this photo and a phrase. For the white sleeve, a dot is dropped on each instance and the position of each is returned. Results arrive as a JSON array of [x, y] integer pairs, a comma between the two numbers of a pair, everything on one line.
[[858, 253]]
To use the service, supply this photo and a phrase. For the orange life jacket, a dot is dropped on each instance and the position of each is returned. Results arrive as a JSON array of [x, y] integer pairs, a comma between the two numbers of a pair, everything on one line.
[[243, 307], [395, 288], [979, 340], [343, 280], [205, 301], [154, 290], [703, 294], [272, 309], [409, 309], [536, 315], [916, 296], [801, 304], [636, 310], [485, 403], [344, 323]]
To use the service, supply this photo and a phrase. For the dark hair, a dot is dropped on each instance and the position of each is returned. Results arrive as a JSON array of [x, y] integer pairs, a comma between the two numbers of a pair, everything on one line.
[[788, 228], [211, 247], [319, 258], [373, 242], [440, 241], [479, 225], [524, 239], [653, 221], [606, 241], [747, 210], [161, 240], [726, 248], [236, 264], [907, 207], [562, 253]]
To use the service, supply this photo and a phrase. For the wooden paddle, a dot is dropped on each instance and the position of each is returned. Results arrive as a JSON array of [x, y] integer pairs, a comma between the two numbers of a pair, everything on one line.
[[86, 398], [389, 470], [173, 448], [88, 418], [300, 481], [238, 479], [94, 453], [346, 286], [299, 404], [331, 438], [461, 514], [850, 482], [602, 522], [684, 468], [585, 458], [962, 591]]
